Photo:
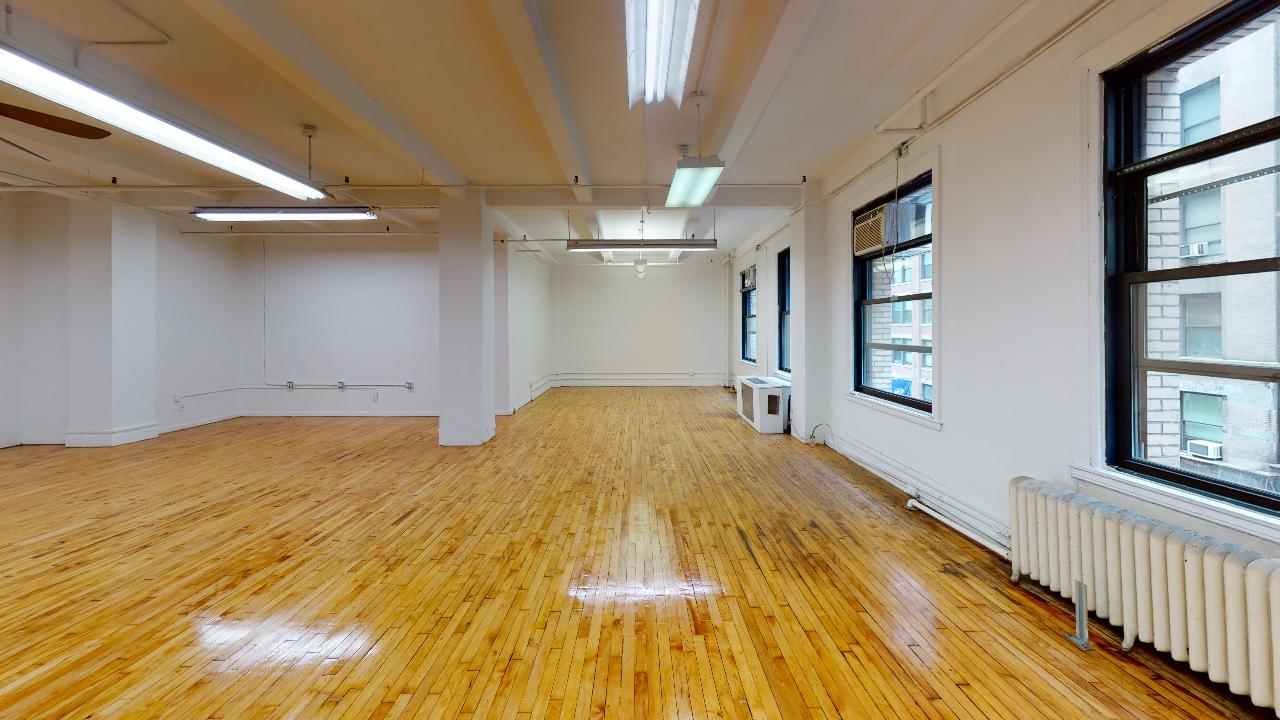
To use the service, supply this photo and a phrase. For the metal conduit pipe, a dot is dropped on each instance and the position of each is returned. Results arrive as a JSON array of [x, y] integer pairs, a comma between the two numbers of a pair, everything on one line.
[[921, 95]]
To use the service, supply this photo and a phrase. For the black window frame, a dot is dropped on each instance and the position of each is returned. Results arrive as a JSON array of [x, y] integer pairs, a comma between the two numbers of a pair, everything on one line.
[[862, 288], [744, 290], [1124, 197], [784, 310]]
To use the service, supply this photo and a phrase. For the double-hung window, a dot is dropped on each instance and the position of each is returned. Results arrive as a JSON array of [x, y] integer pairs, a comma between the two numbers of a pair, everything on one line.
[[784, 310], [1193, 258], [749, 311], [893, 295]]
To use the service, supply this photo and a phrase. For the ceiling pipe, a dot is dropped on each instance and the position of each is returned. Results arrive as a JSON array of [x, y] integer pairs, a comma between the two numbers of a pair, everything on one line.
[[976, 49], [304, 233], [242, 188]]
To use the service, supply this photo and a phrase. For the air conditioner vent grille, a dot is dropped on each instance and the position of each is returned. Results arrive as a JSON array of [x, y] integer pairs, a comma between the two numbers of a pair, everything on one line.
[[869, 230]]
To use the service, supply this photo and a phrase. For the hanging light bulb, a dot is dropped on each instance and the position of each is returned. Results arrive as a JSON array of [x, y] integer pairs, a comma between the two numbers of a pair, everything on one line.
[[641, 265]]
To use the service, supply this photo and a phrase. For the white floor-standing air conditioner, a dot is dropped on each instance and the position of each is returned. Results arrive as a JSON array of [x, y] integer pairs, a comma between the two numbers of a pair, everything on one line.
[[763, 402]]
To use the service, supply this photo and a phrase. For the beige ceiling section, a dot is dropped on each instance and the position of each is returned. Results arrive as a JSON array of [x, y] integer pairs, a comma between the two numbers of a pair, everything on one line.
[[203, 68], [442, 68]]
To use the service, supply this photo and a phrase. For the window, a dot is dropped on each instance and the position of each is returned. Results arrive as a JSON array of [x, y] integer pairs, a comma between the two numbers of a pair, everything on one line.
[[900, 356], [928, 392], [926, 317], [1201, 112], [784, 310], [1193, 259], [749, 311], [901, 313], [927, 357], [1201, 215], [1202, 325], [890, 304], [902, 270], [1201, 418]]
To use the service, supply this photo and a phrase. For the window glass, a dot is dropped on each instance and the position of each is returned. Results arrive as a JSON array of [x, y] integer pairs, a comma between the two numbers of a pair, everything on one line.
[[1213, 318], [1193, 262], [784, 310], [893, 289], [1217, 210], [749, 312], [1225, 85]]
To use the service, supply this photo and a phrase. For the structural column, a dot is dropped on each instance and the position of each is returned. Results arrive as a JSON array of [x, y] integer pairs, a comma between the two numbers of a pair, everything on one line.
[[111, 319], [466, 321], [811, 320]]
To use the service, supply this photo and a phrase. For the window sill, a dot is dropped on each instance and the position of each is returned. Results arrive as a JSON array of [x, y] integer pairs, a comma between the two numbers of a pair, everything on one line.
[[784, 374], [922, 419], [752, 363], [1218, 512]]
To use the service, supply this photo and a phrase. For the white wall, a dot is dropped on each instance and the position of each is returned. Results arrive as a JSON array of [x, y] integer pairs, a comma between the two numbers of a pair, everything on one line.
[[533, 330], [1017, 310], [352, 309], [44, 330], [198, 289], [10, 327], [665, 329]]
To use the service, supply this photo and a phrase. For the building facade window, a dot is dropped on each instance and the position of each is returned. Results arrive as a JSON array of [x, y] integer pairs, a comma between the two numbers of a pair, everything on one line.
[[1201, 215], [1201, 110], [1193, 259], [749, 311], [1202, 325], [1201, 419], [901, 313], [784, 310], [893, 245]]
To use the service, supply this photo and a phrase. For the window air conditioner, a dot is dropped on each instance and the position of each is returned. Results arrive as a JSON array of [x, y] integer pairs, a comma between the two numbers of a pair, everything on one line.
[[869, 230], [1206, 449], [763, 402], [1195, 250]]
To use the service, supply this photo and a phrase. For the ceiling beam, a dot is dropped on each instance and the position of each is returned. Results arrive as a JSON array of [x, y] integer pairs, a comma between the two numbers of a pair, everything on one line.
[[273, 40], [526, 36], [787, 39]]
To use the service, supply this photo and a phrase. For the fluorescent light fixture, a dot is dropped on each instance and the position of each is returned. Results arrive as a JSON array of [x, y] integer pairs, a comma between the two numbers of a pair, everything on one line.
[[694, 180], [52, 85], [281, 214], [680, 245], [659, 45]]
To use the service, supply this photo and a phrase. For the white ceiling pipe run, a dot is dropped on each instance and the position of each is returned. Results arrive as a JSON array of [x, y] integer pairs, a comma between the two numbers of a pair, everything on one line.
[[242, 188], [976, 49]]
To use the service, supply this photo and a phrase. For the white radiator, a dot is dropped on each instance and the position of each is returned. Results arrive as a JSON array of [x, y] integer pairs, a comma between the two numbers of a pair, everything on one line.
[[1204, 601]]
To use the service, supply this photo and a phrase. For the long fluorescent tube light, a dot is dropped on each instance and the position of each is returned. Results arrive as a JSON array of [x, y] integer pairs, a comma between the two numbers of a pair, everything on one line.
[[680, 245], [694, 180], [281, 214], [52, 85], [659, 46]]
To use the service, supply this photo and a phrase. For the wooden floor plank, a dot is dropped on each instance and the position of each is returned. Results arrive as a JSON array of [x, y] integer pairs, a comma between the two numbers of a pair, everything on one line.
[[612, 553]]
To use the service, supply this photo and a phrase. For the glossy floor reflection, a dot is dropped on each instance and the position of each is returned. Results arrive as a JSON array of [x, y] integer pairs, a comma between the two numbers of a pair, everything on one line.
[[637, 553]]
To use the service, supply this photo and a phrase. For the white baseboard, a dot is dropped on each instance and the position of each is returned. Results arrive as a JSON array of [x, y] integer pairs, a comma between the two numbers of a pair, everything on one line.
[[197, 422], [112, 437], [638, 380], [918, 485], [340, 413]]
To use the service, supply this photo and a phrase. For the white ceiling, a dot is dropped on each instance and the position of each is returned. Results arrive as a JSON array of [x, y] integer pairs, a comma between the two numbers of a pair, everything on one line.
[[404, 91]]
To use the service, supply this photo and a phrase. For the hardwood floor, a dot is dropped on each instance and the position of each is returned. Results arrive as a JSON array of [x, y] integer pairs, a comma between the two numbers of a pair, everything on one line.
[[612, 553]]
